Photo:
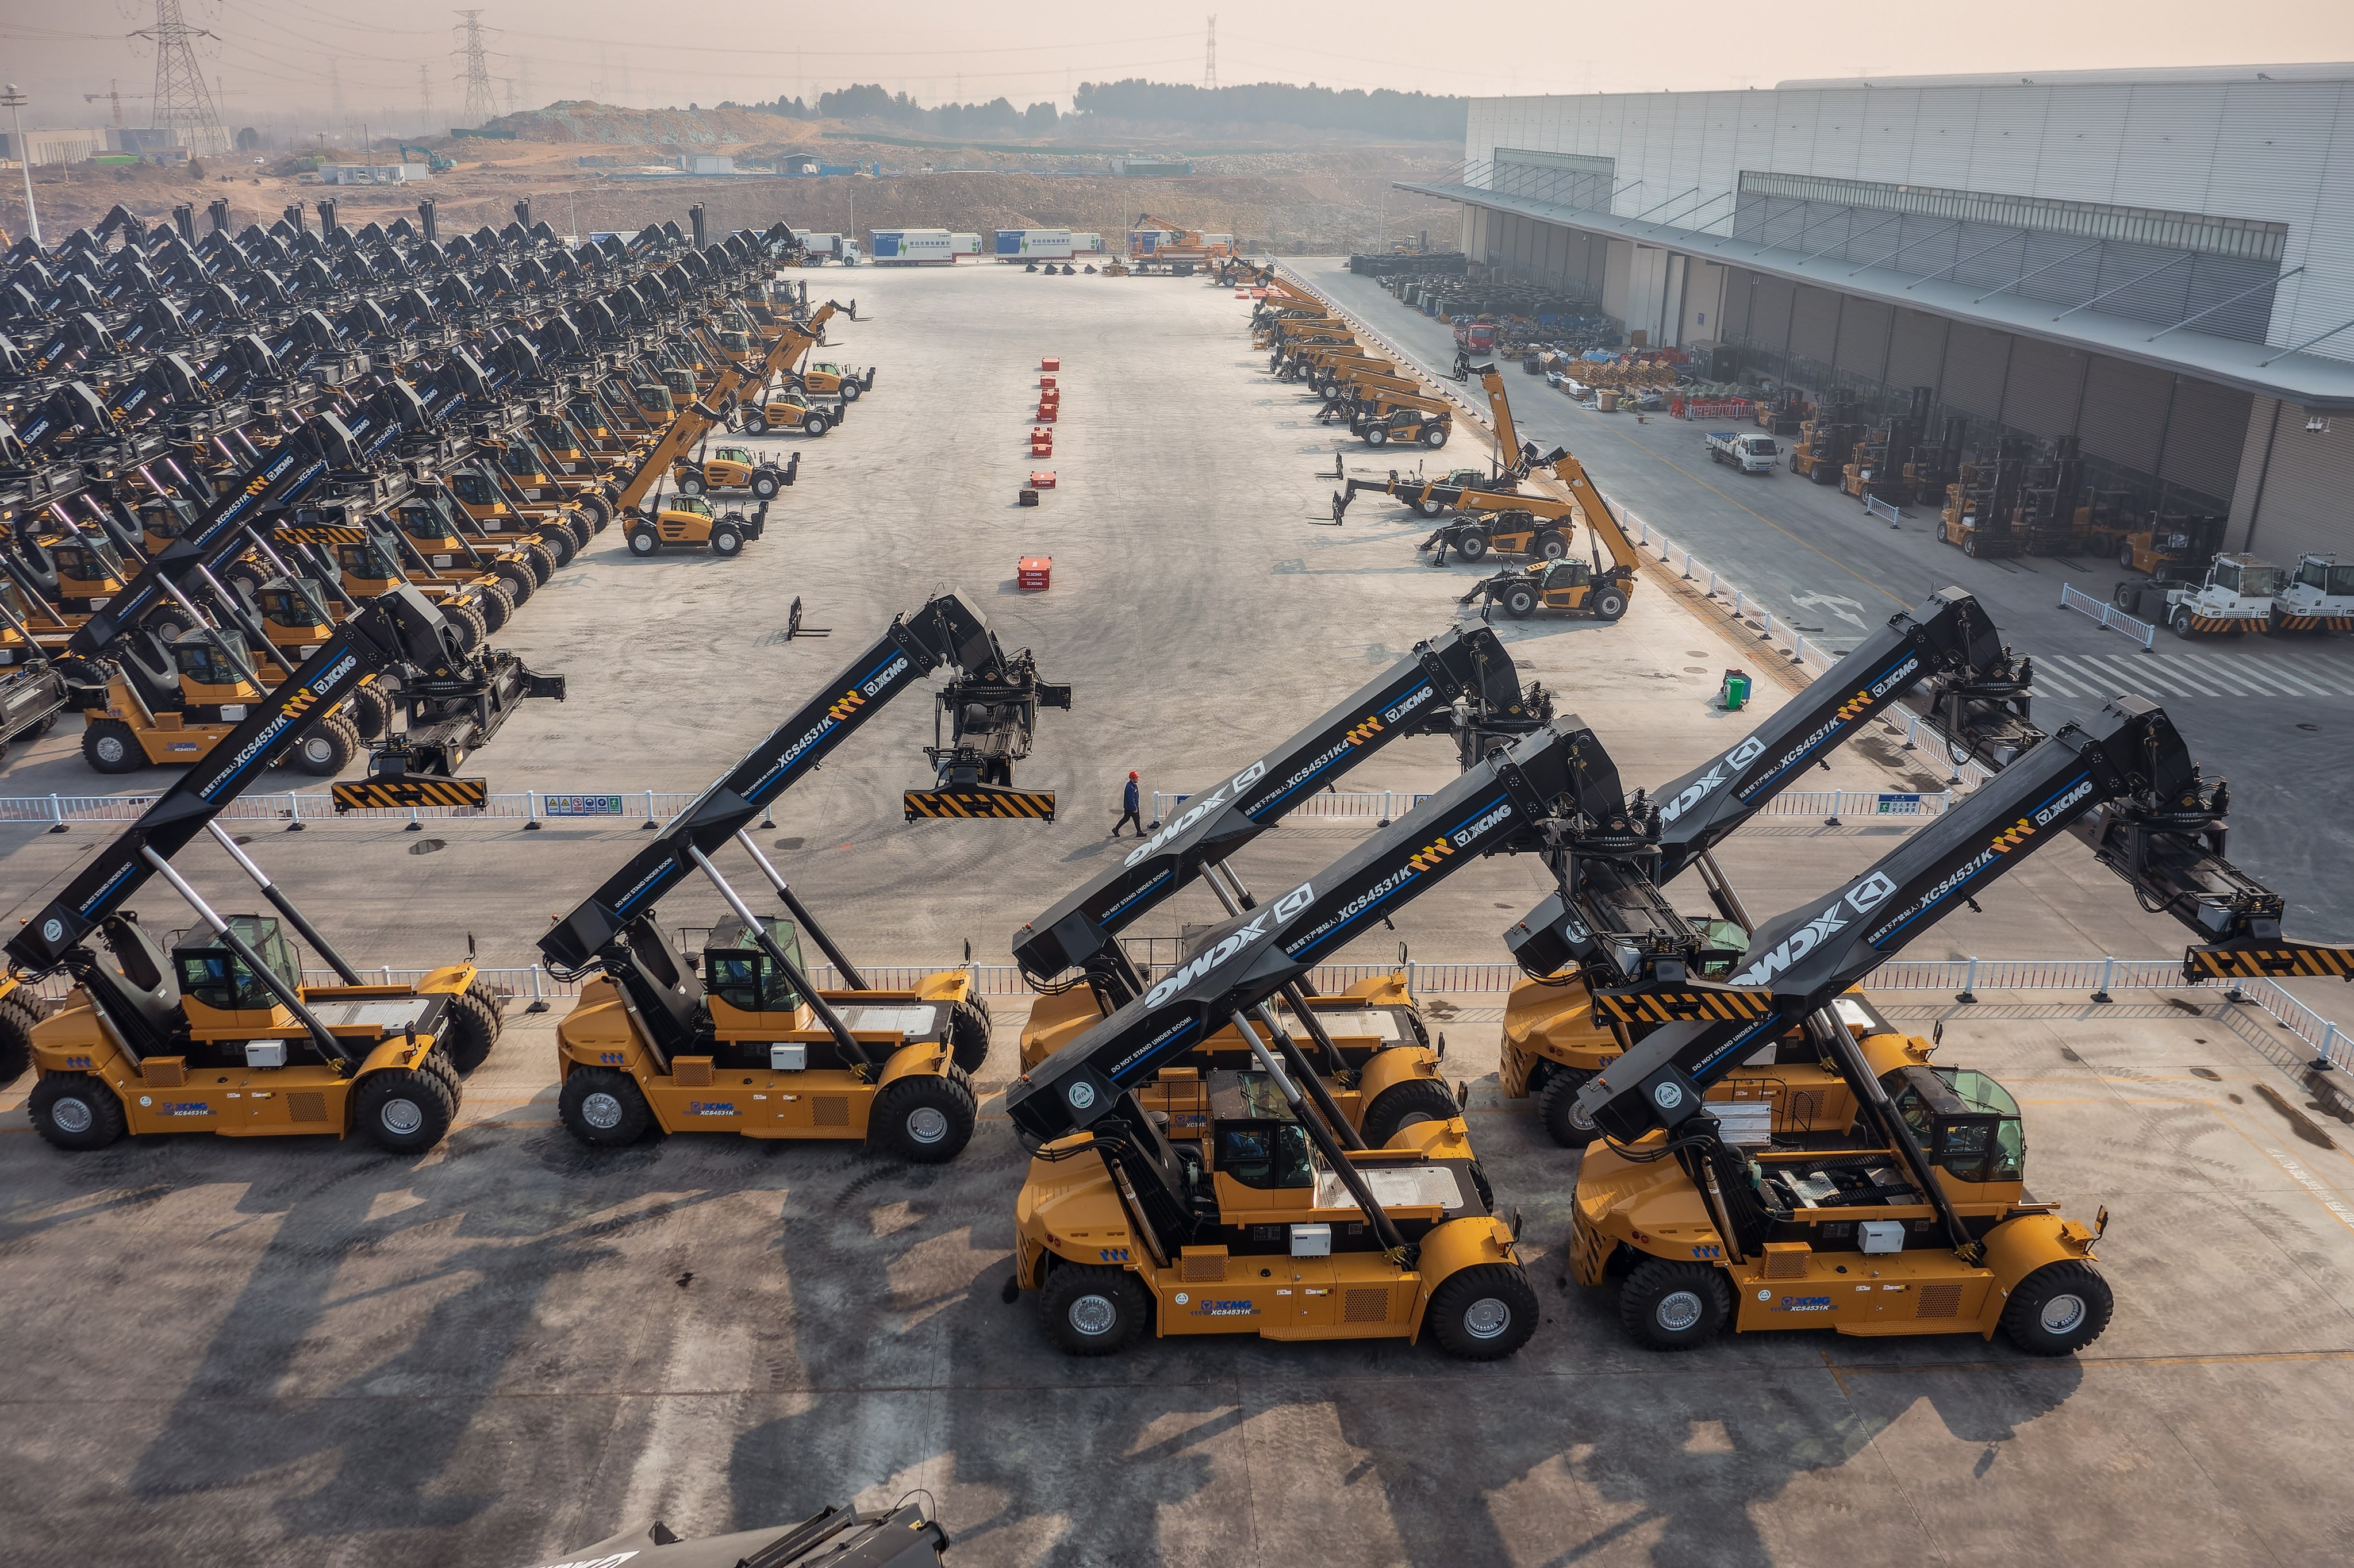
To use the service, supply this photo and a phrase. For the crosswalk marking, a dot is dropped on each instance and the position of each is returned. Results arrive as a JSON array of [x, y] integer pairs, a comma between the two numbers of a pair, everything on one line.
[[2092, 677]]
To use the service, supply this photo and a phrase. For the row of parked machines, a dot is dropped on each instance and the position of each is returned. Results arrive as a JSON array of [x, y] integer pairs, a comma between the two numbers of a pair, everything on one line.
[[1217, 1146]]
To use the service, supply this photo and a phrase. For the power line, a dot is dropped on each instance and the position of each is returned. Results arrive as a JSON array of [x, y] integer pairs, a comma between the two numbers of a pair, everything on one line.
[[182, 102]]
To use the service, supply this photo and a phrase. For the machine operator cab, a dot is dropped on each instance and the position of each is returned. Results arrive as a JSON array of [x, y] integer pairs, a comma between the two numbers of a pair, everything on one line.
[[85, 572], [1272, 1241], [189, 1038], [2237, 595], [163, 519], [736, 1048]]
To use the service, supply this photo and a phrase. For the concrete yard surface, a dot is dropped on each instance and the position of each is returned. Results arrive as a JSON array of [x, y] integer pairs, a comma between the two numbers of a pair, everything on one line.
[[301, 1351]]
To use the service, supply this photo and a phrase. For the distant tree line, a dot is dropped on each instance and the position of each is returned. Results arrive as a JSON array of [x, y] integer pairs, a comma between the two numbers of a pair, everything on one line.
[[1418, 115], [1383, 113]]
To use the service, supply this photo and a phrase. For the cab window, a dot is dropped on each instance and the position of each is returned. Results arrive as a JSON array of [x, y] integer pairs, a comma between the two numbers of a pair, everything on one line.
[[217, 977], [202, 661], [1266, 1155]]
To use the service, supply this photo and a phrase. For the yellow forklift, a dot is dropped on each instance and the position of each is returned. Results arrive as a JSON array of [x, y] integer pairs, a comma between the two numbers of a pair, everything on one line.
[[1373, 1059], [219, 1032], [1253, 1215], [738, 1039], [1915, 1219]]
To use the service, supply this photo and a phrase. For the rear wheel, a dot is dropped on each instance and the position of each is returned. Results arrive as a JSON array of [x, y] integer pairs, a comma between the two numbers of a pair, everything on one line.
[[596, 510], [112, 747], [370, 712], [2125, 556], [1557, 1107], [2180, 620], [923, 1119], [543, 562], [493, 605], [1610, 604], [16, 1023], [1091, 1311], [1670, 1305], [470, 1027], [559, 545], [520, 580], [327, 747], [604, 1107], [402, 1110], [1471, 545], [2058, 1309], [1483, 1313], [472, 629], [74, 1110], [969, 1035], [643, 540], [1403, 1105]]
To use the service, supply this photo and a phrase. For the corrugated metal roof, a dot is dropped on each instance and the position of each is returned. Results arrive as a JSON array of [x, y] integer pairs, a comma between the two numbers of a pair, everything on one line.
[[2307, 379]]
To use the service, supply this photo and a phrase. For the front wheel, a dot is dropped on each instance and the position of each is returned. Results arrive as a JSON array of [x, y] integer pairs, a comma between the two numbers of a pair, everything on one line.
[[1091, 1311], [764, 485], [2058, 1309], [690, 484], [1673, 1306], [402, 1110], [1520, 602], [1551, 546], [1970, 545], [1435, 436], [470, 1028], [816, 424], [74, 1111], [726, 541], [923, 1119], [604, 1107], [327, 747], [1557, 1107], [1471, 545], [1431, 508], [756, 423], [1377, 435], [644, 541], [969, 1035], [1483, 1313], [851, 390], [112, 747], [1403, 1105], [2180, 622], [1610, 604]]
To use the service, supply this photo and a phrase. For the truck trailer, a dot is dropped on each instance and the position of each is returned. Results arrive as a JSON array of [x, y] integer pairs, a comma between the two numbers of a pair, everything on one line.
[[912, 246], [1034, 245]]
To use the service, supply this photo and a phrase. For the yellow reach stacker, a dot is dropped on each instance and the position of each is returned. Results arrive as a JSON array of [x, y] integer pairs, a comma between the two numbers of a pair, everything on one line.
[[740, 1041]]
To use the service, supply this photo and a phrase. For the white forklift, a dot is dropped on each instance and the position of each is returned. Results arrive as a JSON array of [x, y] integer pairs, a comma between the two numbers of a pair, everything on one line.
[[2320, 598]]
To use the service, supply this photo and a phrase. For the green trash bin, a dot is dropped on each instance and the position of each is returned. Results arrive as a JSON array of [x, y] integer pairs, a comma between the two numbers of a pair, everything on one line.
[[1735, 696]]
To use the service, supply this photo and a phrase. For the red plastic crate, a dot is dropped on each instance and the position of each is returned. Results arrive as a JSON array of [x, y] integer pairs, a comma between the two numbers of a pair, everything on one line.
[[1041, 479], [1050, 365], [1046, 413], [1034, 573], [1046, 382]]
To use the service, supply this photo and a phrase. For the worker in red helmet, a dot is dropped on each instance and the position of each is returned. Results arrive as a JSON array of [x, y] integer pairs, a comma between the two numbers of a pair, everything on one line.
[[1129, 813]]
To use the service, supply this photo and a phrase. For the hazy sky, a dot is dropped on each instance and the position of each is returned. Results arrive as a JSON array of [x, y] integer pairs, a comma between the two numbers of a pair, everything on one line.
[[275, 58]]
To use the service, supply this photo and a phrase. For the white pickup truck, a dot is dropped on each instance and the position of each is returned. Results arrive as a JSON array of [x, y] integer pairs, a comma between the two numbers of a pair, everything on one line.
[[1750, 451]]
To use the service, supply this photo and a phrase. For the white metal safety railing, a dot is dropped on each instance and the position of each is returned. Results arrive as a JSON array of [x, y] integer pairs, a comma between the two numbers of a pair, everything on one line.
[[1966, 980], [529, 810], [1888, 509], [2111, 618]]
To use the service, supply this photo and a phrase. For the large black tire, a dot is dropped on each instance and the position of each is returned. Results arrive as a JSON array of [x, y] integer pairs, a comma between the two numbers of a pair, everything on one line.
[[690, 484], [1550, 545], [469, 1031], [541, 561], [402, 1110], [437, 1061], [2058, 1309], [472, 629], [1405, 1105], [2180, 622], [577, 528], [1519, 601], [1429, 507], [1482, 1313], [1609, 603], [816, 424], [76, 1111], [1471, 545], [1377, 435], [558, 544], [969, 1035], [112, 747], [2125, 556], [923, 1119], [1672, 1306], [756, 423], [327, 747], [520, 581], [491, 603], [1435, 436], [604, 1107], [496, 1004], [1557, 1107], [765, 485], [595, 510], [370, 711], [644, 541], [727, 540], [1970, 545], [16, 1022], [1091, 1311]]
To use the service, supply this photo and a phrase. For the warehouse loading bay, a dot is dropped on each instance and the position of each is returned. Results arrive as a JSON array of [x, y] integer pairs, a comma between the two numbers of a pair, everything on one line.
[[267, 1351]]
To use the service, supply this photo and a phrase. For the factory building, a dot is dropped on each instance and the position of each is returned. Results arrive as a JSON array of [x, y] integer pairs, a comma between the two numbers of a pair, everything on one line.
[[2159, 263]]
